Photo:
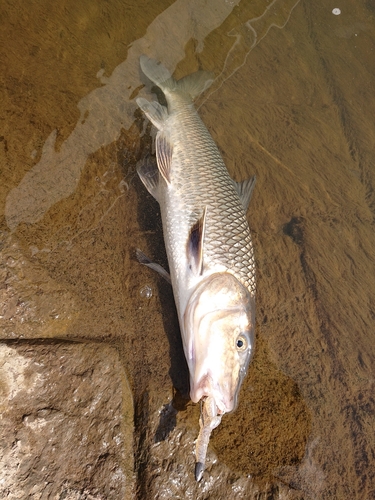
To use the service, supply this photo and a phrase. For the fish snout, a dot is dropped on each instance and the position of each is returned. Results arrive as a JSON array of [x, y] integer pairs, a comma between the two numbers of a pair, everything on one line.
[[224, 398]]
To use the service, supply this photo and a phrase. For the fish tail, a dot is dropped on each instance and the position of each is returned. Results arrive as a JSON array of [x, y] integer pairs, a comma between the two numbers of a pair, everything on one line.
[[157, 73], [193, 84]]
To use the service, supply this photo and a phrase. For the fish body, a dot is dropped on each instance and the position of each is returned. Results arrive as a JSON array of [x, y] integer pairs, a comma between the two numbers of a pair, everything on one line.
[[207, 240]]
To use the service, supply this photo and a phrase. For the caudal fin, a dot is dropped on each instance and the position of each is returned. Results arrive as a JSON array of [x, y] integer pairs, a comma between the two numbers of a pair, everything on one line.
[[157, 73], [192, 85]]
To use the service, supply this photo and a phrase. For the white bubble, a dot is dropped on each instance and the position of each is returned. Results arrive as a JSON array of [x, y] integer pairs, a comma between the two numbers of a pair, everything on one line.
[[336, 11], [146, 292]]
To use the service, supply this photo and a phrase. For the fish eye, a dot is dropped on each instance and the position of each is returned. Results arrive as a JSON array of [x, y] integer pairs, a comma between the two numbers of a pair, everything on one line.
[[241, 343]]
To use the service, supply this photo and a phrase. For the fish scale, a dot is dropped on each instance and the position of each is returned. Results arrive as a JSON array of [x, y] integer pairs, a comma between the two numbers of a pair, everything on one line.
[[227, 239], [209, 249]]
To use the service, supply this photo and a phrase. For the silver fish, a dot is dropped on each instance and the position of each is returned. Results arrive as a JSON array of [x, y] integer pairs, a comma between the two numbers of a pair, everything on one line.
[[208, 245]]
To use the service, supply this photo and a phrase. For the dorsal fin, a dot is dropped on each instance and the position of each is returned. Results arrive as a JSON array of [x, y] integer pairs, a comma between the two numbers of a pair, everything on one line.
[[195, 244], [245, 190]]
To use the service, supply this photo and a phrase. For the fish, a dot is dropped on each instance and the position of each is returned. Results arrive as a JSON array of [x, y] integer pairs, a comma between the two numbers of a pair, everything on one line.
[[208, 244]]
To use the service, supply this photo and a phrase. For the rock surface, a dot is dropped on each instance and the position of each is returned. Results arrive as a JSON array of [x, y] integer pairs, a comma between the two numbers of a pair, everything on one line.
[[67, 420]]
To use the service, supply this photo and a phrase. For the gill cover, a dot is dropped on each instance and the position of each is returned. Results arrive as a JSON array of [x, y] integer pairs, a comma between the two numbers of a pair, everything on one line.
[[219, 339]]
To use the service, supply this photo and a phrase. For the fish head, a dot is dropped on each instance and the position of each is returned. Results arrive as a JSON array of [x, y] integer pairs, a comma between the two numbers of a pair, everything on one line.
[[219, 339]]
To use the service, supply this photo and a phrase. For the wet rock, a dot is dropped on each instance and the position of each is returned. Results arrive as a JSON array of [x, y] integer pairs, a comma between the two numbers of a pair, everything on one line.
[[66, 422]]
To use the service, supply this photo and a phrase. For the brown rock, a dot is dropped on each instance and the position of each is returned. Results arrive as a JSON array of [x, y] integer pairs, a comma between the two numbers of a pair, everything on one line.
[[66, 424]]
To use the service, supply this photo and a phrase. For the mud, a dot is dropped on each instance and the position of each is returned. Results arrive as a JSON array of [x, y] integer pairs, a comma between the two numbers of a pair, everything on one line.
[[292, 103]]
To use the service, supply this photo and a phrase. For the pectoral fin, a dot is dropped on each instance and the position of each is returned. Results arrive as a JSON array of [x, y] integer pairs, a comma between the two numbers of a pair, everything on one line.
[[143, 259], [245, 190], [195, 244]]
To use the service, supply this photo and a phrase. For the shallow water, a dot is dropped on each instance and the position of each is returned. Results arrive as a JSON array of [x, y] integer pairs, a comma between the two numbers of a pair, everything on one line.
[[292, 102]]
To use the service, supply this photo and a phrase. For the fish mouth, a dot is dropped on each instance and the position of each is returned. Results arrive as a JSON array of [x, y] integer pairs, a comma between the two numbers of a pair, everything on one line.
[[206, 387], [218, 313]]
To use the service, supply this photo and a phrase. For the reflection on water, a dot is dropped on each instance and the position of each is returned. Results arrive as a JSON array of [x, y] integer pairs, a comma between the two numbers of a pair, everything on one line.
[[293, 103], [108, 109]]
